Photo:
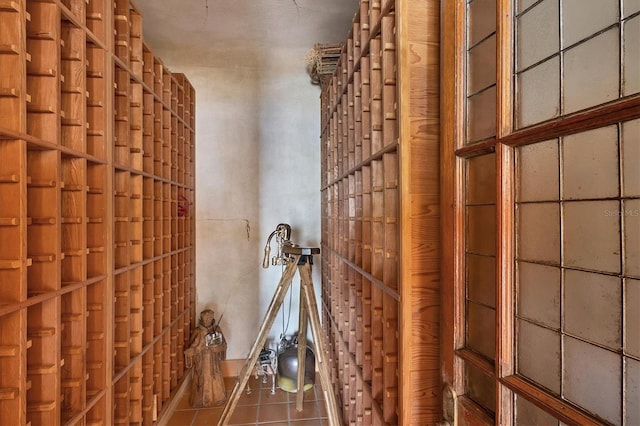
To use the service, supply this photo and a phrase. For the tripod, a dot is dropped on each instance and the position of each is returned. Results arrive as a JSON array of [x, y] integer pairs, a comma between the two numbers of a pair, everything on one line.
[[300, 259]]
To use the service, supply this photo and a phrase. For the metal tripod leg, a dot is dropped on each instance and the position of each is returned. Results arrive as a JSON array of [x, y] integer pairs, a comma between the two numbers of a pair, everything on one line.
[[270, 316]]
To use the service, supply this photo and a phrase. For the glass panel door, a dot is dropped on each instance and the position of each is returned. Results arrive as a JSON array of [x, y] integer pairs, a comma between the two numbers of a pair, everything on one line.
[[577, 241], [541, 207]]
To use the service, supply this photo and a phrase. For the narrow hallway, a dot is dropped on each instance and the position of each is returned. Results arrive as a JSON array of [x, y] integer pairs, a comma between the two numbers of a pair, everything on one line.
[[259, 407]]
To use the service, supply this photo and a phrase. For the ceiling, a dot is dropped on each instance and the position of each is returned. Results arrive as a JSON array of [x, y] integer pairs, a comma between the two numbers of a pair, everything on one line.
[[241, 32]]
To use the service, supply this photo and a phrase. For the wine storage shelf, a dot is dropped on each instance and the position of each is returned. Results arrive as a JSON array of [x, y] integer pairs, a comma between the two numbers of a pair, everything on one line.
[[97, 250], [380, 223]]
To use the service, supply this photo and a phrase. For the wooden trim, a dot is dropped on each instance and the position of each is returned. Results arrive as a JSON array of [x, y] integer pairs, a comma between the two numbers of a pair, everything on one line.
[[447, 191], [109, 105], [504, 211], [504, 67], [470, 413], [6, 309], [448, 119], [452, 198], [505, 295], [34, 143], [393, 147], [564, 411], [480, 148], [592, 118], [418, 46], [167, 411], [478, 361], [378, 283]]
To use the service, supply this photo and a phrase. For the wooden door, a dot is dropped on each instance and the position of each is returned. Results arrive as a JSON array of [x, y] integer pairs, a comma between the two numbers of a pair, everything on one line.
[[541, 212]]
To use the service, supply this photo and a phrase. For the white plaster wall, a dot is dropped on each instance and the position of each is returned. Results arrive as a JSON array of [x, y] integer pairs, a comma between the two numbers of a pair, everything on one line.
[[257, 140], [257, 165], [290, 171]]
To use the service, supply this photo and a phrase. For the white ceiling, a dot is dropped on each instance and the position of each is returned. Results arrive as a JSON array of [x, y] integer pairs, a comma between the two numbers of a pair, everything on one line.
[[241, 32]]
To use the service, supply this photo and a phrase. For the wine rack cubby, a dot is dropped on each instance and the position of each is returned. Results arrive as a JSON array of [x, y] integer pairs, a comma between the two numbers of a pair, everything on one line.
[[97, 285], [380, 222]]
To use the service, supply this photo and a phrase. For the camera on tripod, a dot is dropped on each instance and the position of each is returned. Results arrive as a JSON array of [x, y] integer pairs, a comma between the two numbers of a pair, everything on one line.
[[286, 249]]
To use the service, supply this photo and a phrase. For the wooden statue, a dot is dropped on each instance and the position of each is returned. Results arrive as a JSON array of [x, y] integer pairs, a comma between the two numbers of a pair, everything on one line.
[[208, 348]]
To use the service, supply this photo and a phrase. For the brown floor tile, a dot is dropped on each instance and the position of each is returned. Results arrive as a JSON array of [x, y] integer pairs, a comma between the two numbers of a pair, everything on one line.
[[309, 411], [322, 406], [278, 398], [314, 422], [208, 416], [319, 392], [309, 395], [182, 418], [259, 406], [273, 413], [183, 404], [244, 415], [248, 399]]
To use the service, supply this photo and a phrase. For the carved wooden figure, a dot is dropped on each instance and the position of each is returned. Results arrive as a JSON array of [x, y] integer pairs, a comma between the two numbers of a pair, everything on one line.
[[208, 348]]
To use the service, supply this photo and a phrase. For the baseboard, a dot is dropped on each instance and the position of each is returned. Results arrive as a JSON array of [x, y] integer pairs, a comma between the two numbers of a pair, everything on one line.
[[167, 411], [232, 367]]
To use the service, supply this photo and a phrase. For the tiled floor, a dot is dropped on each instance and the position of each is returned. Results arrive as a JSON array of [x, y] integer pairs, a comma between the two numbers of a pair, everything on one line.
[[259, 407]]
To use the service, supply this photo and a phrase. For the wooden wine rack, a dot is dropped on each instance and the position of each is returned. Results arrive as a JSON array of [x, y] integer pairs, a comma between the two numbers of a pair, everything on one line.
[[380, 221], [97, 276]]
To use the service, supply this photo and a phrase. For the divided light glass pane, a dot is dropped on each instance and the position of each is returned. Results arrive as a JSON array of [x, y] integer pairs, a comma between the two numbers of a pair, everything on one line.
[[538, 93], [582, 18], [481, 230], [632, 392], [481, 180], [630, 213], [481, 119], [481, 20], [589, 159], [592, 308], [524, 4], [480, 254], [538, 228], [604, 374], [480, 387], [601, 77], [482, 65], [630, 155], [539, 361], [528, 414], [481, 279], [630, 7], [631, 57], [539, 293], [538, 34], [632, 317], [538, 171], [591, 235], [481, 325]]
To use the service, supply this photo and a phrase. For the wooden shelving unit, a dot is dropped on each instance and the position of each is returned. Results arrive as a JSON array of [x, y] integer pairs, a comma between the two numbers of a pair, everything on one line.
[[380, 222], [97, 234]]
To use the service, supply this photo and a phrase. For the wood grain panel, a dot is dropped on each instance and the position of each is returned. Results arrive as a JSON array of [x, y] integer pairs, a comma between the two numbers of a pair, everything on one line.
[[418, 39]]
